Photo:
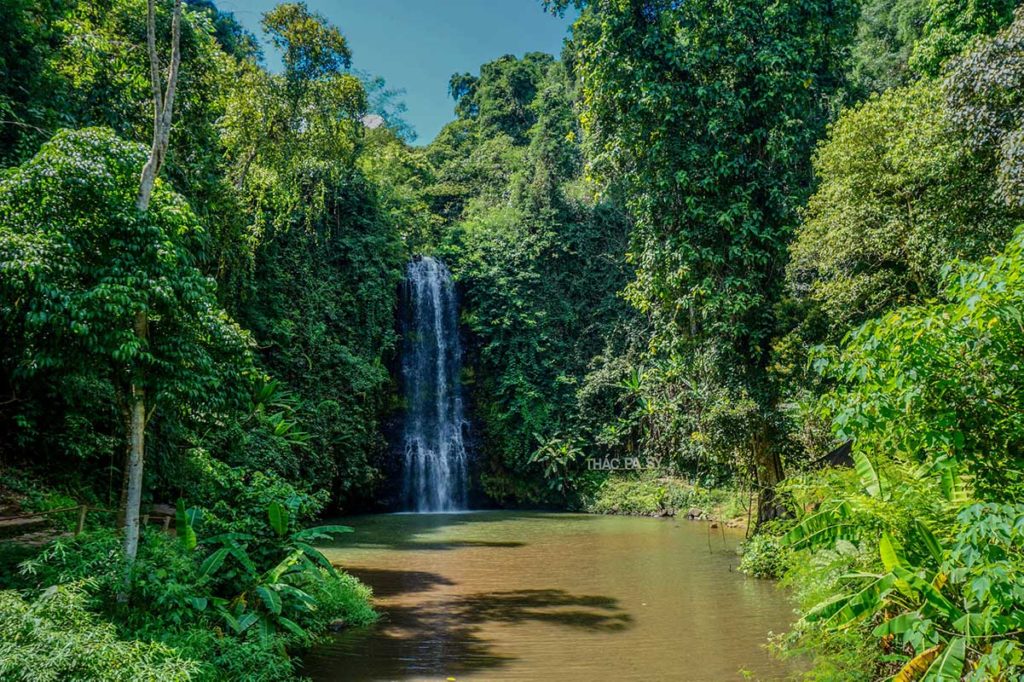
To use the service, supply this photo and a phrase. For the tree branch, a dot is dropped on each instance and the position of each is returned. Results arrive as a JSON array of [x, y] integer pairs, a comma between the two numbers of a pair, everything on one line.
[[163, 100]]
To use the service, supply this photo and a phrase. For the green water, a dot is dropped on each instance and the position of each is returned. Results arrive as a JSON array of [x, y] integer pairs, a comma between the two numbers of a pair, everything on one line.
[[536, 596]]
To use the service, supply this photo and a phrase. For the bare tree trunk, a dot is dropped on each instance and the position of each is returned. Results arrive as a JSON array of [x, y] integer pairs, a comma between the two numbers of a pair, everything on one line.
[[126, 413], [136, 457], [163, 110]]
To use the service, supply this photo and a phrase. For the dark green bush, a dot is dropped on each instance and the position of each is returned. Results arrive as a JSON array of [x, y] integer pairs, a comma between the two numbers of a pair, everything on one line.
[[235, 499]]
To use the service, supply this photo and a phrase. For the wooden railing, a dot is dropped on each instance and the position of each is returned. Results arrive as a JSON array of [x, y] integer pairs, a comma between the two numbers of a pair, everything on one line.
[[83, 510]]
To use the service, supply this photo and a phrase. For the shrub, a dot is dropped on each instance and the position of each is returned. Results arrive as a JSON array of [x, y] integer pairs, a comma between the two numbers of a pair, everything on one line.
[[338, 597], [232, 605], [235, 500], [868, 563], [622, 495], [228, 658], [54, 637], [764, 556]]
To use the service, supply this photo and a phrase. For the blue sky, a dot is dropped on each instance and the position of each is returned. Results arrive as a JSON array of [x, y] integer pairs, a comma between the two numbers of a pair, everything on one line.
[[418, 44]]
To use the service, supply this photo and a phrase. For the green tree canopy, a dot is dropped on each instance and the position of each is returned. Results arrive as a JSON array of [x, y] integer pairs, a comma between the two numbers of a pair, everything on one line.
[[313, 48], [707, 113], [938, 384], [952, 27], [899, 195], [985, 90], [78, 261]]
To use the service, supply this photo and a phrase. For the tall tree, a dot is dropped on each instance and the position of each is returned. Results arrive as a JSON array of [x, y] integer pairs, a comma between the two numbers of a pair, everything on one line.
[[327, 259], [163, 113], [707, 112], [540, 264], [313, 48], [985, 95], [31, 94], [953, 25], [79, 261]]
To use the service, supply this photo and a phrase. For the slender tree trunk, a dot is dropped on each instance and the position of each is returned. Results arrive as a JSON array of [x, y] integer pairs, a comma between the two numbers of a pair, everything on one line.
[[768, 472], [136, 458], [132, 490], [163, 111], [126, 413]]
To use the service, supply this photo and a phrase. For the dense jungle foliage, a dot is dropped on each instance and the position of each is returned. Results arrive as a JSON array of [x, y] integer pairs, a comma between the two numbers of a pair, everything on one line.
[[724, 237]]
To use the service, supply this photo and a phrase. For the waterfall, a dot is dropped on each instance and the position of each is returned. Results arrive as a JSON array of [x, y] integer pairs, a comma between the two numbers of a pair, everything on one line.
[[435, 476]]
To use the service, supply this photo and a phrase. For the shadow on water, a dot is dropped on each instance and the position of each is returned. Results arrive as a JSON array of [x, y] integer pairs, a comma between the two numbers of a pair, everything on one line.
[[556, 607], [394, 650], [390, 583], [443, 637], [444, 544], [531, 596], [376, 532]]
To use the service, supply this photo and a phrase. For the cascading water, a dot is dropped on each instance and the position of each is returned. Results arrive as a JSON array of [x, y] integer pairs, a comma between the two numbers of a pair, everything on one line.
[[435, 475]]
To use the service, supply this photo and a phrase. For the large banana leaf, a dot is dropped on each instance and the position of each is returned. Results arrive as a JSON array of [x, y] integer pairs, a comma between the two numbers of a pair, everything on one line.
[[839, 612], [183, 526], [315, 556], [918, 665], [827, 608], [929, 541], [954, 485], [891, 551], [213, 562], [897, 625], [274, 574], [868, 475], [304, 600], [948, 665], [278, 517], [823, 527], [294, 627], [920, 588], [271, 599]]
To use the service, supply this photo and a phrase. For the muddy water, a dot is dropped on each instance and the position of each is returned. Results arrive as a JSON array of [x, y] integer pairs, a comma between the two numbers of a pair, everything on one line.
[[536, 596]]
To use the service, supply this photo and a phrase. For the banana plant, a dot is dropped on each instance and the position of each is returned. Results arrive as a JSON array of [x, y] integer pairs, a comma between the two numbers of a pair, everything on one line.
[[960, 609], [184, 524], [837, 520], [556, 456], [298, 541], [268, 600], [275, 407]]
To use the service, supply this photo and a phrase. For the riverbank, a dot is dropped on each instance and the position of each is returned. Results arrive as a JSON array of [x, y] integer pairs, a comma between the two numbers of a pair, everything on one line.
[[648, 494]]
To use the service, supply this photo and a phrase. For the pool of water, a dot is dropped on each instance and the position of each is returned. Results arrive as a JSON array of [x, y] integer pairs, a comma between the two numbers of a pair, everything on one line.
[[539, 596]]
